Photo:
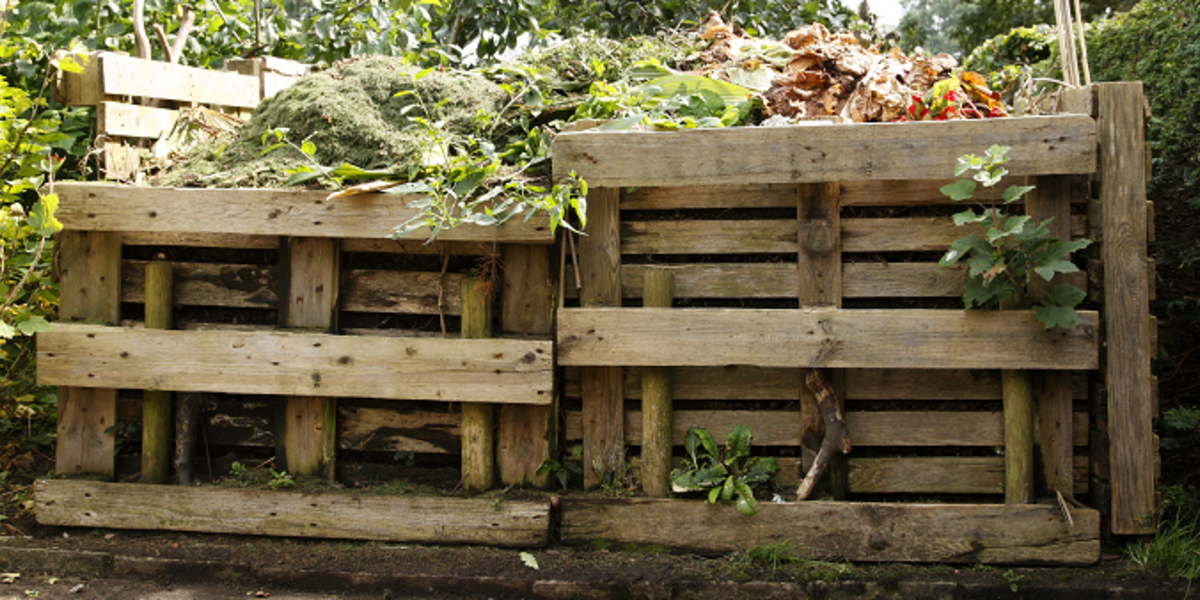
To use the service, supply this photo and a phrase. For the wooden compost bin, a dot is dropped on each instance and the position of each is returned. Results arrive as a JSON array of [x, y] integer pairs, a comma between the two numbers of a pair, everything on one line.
[[301, 335], [815, 247]]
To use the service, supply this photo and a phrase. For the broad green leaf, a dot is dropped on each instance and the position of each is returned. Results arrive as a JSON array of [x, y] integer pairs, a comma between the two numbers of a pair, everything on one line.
[[714, 495], [308, 147], [1065, 294], [1056, 316], [623, 123], [1009, 227], [41, 216], [707, 442], [737, 444], [673, 85], [1014, 192], [6, 331], [1047, 271], [32, 325], [968, 217], [68, 64], [758, 80], [728, 489], [959, 190], [958, 249], [746, 503], [691, 441], [421, 75]]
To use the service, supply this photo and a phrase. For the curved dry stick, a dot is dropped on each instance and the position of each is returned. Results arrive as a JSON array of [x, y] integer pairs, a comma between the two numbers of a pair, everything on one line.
[[837, 437]]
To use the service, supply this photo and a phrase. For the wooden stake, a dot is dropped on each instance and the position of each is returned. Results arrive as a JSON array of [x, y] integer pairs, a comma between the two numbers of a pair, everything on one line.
[[657, 412], [156, 404], [478, 418]]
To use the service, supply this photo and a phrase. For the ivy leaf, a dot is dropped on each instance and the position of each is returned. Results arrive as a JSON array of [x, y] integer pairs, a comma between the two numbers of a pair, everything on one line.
[[968, 217], [959, 190], [1012, 225], [32, 325], [1056, 316], [1048, 270], [1065, 294], [958, 249]]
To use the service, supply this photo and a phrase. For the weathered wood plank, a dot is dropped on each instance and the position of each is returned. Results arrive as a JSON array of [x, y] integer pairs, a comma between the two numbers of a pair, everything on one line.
[[89, 283], [208, 284], [941, 475], [202, 240], [390, 430], [297, 364], [408, 292], [776, 195], [526, 435], [1041, 145], [478, 421], [758, 383], [130, 120], [600, 285], [100, 207], [1126, 296], [832, 338], [129, 76], [883, 428], [949, 533], [266, 512], [310, 286]]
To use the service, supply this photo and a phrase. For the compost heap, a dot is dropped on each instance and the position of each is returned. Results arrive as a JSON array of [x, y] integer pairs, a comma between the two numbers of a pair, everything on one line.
[[361, 111]]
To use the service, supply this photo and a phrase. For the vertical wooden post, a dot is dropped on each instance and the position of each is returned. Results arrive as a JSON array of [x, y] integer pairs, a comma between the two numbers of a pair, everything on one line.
[[1121, 130], [1018, 437], [657, 413], [156, 404], [310, 283], [600, 285], [526, 435], [1052, 389], [819, 261], [478, 424], [90, 289]]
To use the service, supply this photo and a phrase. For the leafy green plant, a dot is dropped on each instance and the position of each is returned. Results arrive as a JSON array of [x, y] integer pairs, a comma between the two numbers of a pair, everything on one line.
[[1014, 580], [562, 471], [723, 474], [1012, 249], [280, 480]]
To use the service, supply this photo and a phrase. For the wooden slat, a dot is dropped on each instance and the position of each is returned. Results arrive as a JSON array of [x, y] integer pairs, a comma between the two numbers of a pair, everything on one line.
[[909, 234], [927, 150], [208, 284], [89, 282], [708, 237], [412, 292], [1126, 297], [266, 512], [415, 246], [857, 531], [297, 364], [708, 196], [202, 240], [526, 435], [882, 428], [758, 383], [390, 430], [940, 475], [130, 120], [129, 76], [97, 207], [932, 339], [603, 395]]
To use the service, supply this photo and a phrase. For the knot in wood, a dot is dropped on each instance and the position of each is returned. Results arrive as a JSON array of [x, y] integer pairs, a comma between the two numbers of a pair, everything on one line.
[[816, 236]]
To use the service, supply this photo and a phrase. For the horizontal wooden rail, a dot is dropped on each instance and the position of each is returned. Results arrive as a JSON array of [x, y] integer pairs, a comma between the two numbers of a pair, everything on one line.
[[879, 429], [266, 512], [1055, 145], [494, 370], [925, 192], [763, 383], [101, 207], [857, 531], [833, 338], [106, 74], [782, 280]]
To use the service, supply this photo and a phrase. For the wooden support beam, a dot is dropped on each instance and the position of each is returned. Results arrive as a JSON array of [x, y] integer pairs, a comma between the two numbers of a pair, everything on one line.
[[1052, 390], [157, 423], [1121, 124], [1041, 145], [410, 519], [657, 410], [823, 338], [99, 207], [600, 285], [297, 364], [526, 435], [309, 299], [90, 290], [944, 533], [478, 418]]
